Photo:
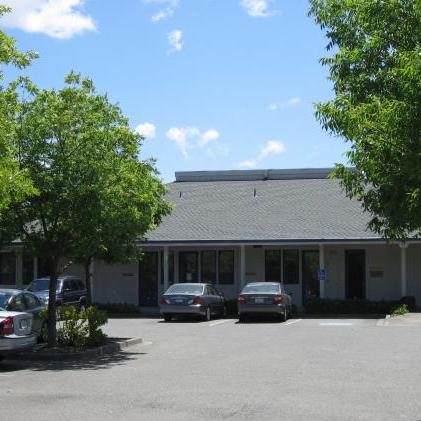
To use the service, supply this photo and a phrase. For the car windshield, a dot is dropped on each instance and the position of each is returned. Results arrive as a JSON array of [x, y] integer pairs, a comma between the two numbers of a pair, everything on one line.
[[185, 289], [269, 288], [4, 298], [41, 285]]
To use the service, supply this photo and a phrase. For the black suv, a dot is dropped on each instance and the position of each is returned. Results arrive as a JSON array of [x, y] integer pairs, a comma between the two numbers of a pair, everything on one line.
[[70, 290]]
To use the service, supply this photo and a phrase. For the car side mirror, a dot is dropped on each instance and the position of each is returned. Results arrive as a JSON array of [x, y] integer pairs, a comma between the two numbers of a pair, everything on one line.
[[289, 293]]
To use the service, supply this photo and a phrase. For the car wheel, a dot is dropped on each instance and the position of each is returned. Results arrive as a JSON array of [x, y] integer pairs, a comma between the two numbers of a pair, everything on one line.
[[242, 318], [43, 334], [167, 317], [207, 314]]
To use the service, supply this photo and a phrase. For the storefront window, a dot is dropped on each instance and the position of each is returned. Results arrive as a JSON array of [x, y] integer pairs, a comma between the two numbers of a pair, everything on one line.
[[188, 266], [28, 269], [226, 267], [291, 267], [273, 265], [208, 266], [7, 269]]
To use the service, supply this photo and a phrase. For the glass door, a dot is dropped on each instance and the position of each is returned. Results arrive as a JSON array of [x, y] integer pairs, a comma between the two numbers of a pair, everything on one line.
[[148, 279], [310, 268]]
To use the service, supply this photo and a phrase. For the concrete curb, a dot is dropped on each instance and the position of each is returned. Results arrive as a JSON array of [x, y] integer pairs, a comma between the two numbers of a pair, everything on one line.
[[100, 350]]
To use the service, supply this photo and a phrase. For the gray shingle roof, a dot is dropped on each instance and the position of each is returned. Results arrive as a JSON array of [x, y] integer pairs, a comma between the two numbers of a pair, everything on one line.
[[270, 209]]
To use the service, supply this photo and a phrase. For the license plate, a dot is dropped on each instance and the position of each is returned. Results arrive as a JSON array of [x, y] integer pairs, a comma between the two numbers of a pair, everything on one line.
[[24, 324], [179, 301], [259, 300]]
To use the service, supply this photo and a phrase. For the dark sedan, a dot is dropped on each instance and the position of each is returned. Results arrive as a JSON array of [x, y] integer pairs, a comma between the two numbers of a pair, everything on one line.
[[202, 300], [264, 298]]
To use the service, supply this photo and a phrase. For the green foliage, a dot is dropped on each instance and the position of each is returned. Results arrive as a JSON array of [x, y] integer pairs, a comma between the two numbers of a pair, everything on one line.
[[81, 329], [95, 318], [74, 330], [96, 197], [13, 179], [400, 310], [375, 67], [356, 306]]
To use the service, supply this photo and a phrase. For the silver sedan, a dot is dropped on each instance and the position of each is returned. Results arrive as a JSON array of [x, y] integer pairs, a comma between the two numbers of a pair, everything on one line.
[[15, 332], [264, 298], [202, 300]]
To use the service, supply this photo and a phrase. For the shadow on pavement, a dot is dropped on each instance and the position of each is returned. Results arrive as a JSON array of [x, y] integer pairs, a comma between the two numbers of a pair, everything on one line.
[[98, 362]]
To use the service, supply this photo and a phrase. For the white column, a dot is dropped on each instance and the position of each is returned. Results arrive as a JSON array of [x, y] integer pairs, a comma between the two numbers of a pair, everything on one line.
[[166, 268], [242, 265], [322, 272], [404, 280]]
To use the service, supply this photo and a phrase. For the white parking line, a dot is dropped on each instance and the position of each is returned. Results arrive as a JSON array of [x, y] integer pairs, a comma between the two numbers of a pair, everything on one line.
[[291, 322], [336, 324], [219, 322]]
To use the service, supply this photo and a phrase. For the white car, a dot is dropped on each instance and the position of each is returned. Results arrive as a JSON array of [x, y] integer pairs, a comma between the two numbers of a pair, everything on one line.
[[15, 332]]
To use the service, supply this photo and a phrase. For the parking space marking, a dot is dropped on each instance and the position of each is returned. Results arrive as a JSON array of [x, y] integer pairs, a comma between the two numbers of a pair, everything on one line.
[[336, 324], [219, 322], [291, 322]]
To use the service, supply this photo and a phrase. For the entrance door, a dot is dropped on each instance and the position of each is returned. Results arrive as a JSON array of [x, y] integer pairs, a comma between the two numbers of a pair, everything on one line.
[[310, 267], [355, 273], [148, 279]]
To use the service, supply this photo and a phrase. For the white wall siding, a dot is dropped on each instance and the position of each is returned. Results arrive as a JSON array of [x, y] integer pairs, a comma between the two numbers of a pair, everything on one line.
[[116, 283]]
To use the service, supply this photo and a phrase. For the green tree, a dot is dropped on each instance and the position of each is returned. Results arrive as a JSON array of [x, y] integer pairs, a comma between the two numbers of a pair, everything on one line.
[[375, 67], [13, 181], [93, 190]]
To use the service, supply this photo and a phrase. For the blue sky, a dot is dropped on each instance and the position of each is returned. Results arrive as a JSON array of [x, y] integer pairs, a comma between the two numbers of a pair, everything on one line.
[[214, 84]]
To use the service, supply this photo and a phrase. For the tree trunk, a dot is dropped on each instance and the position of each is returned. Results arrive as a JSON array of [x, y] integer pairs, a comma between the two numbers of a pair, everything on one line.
[[52, 319], [88, 279]]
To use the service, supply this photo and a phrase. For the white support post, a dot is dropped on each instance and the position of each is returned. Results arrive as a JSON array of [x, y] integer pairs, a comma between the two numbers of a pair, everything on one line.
[[166, 268], [322, 271], [404, 281], [242, 266]]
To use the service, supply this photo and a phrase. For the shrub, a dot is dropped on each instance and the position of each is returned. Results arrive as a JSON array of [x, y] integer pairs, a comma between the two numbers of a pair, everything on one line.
[[410, 302], [73, 330], [81, 329], [356, 306], [400, 310], [95, 318]]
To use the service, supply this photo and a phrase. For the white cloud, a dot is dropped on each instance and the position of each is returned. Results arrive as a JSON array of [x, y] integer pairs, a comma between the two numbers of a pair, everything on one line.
[[208, 136], [292, 102], [181, 136], [295, 100], [271, 147], [147, 130], [187, 138], [257, 8], [248, 163], [55, 18], [175, 40], [167, 10]]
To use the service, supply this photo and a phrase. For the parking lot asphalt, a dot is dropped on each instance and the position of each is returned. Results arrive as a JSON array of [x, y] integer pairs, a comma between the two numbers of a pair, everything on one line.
[[304, 369]]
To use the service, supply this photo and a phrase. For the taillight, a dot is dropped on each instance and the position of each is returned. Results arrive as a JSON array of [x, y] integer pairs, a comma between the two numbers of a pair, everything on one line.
[[241, 299], [278, 299], [162, 300], [197, 300], [6, 326]]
